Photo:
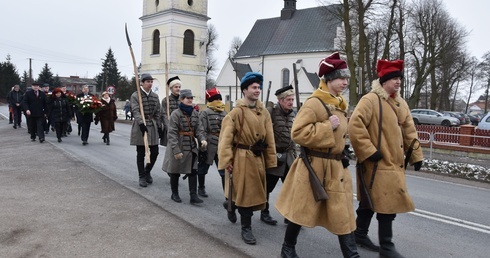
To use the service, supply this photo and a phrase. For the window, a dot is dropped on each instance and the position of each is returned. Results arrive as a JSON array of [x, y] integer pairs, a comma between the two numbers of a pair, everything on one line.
[[190, 2], [156, 43], [188, 42], [157, 2], [285, 77]]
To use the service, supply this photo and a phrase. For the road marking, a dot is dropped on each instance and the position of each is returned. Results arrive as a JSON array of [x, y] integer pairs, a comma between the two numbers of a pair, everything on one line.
[[453, 221], [451, 183]]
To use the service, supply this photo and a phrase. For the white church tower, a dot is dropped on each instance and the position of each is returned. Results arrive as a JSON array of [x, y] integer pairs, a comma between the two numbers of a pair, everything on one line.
[[173, 39]]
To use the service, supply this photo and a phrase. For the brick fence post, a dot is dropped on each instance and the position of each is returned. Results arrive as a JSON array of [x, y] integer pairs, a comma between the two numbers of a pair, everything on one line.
[[466, 133]]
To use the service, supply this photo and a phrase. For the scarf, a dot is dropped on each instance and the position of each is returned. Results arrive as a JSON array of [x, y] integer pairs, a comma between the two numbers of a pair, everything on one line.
[[186, 109], [107, 100], [327, 97], [216, 105]]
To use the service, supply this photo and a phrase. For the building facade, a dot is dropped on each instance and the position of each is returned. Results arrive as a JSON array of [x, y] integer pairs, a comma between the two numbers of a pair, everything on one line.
[[174, 34]]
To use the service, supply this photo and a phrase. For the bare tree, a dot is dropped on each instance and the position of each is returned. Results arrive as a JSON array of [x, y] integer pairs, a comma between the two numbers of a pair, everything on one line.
[[473, 71], [485, 76], [236, 43], [211, 48]]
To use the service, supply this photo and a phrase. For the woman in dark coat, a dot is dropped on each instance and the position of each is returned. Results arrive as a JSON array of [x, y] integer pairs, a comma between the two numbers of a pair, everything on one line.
[[107, 115], [59, 111]]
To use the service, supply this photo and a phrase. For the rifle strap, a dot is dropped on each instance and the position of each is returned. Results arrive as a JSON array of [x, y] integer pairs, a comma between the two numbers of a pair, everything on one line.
[[380, 122]]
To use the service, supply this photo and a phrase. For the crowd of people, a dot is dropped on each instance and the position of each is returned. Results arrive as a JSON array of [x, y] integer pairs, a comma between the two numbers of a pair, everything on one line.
[[253, 147]]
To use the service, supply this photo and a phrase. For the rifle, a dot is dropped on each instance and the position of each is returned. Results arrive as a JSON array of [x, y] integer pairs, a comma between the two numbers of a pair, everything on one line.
[[409, 152], [317, 188], [140, 101], [365, 196], [268, 93]]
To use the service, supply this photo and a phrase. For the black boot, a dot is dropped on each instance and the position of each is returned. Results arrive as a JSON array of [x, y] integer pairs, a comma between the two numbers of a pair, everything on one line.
[[348, 246], [107, 140], [363, 221], [174, 185], [387, 247], [247, 235], [193, 189], [290, 238], [201, 190], [148, 168], [141, 173], [266, 218]]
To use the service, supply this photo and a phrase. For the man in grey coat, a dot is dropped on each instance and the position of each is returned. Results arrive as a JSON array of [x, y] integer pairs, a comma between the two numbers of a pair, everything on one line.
[[153, 128]]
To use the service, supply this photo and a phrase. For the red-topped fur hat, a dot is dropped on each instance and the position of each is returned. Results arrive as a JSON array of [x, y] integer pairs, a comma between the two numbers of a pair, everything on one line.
[[213, 94], [332, 67], [389, 69]]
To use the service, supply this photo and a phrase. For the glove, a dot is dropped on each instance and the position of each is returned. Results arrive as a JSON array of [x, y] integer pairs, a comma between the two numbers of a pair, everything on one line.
[[417, 165], [96, 121], [143, 129], [160, 132], [334, 120], [204, 144], [377, 156], [179, 156], [345, 162]]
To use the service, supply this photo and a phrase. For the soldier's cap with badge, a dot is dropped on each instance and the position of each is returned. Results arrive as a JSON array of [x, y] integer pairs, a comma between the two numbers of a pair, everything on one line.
[[332, 67], [213, 94], [249, 78], [389, 69], [173, 81], [186, 93], [145, 76], [284, 92]]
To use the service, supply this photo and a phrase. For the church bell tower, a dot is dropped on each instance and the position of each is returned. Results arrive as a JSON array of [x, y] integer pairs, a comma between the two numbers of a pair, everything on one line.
[[173, 41]]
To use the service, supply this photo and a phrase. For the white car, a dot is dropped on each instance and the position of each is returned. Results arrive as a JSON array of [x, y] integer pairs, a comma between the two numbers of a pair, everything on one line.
[[485, 122]]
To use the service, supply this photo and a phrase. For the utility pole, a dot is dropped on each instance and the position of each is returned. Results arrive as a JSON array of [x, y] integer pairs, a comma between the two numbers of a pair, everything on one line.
[[29, 83]]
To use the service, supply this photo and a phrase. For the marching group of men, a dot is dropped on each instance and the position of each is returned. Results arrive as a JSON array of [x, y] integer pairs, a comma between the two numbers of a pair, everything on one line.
[[254, 147]]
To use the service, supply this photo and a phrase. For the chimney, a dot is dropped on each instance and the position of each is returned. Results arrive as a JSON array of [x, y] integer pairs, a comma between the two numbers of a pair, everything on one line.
[[288, 10]]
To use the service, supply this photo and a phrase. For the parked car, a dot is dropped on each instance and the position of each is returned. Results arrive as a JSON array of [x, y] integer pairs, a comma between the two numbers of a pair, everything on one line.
[[485, 122], [474, 119], [460, 116], [432, 117]]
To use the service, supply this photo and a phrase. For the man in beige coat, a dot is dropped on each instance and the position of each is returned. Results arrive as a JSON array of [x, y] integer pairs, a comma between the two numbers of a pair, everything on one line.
[[382, 131], [320, 128], [246, 149]]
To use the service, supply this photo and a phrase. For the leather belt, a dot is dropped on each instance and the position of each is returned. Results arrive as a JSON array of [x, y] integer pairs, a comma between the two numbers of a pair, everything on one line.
[[324, 155], [248, 147], [186, 133]]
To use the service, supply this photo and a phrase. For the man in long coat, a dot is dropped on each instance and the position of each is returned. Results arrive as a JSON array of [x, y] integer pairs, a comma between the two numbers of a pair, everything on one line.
[[35, 106], [246, 149], [282, 116], [151, 109], [381, 131], [320, 127], [84, 120], [173, 100]]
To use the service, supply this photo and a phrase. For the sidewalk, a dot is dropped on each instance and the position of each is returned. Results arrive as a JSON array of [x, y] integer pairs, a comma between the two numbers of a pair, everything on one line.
[[53, 205]]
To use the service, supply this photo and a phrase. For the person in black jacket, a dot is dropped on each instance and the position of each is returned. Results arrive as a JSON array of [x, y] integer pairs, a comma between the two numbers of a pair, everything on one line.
[[84, 120], [59, 112], [15, 101], [34, 104]]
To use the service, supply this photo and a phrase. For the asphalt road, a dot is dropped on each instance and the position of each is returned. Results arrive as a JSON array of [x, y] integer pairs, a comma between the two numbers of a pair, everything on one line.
[[451, 219]]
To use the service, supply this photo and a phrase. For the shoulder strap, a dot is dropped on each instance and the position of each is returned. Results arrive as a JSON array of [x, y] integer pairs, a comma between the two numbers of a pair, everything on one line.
[[324, 105]]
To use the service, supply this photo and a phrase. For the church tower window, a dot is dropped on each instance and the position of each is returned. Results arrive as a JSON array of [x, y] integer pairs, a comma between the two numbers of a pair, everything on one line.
[[285, 77], [188, 42], [156, 43]]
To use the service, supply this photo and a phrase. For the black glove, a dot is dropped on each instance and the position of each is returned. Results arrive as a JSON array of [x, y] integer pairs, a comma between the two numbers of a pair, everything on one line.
[[160, 132], [417, 165], [96, 121], [377, 156], [143, 129], [345, 162]]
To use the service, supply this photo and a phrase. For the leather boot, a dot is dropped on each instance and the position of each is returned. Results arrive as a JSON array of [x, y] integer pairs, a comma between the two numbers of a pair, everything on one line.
[[149, 179], [290, 238], [141, 173], [174, 185], [231, 214], [247, 235], [387, 247], [363, 221], [107, 140], [193, 189], [201, 190], [266, 218], [348, 246]]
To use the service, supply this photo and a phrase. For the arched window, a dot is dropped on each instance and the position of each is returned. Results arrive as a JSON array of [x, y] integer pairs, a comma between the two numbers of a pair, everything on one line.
[[285, 77], [157, 2], [156, 42], [188, 42]]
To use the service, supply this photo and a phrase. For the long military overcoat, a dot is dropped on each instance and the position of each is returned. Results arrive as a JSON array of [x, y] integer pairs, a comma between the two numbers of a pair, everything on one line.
[[282, 123], [389, 192], [249, 185], [313, 130], [184, 144], [211, 122], [151, 107]]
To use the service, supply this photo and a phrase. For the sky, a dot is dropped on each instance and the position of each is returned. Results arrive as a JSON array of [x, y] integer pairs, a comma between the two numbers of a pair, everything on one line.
[[74, 36]]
